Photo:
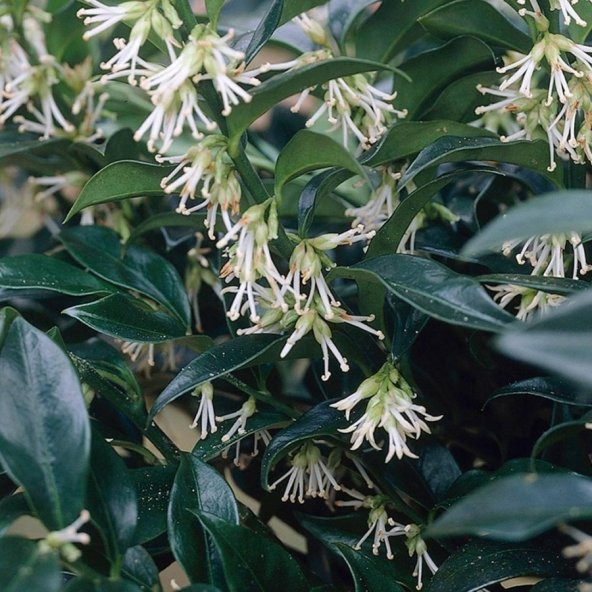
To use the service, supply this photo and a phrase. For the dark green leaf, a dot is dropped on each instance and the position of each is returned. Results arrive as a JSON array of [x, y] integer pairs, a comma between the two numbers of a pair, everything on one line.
[[47, 273], [479, 19], [44, 428], [432, 288], [322, 420], [100, 250], [560, 432], [293, 8], [198, 488], [13, 142], [557, 585], [139, 567], [165, 219], [101, 585], [553, 213], [483, 563], [559, 342], [308, 151], [517, 508], [531, 155], [127, 318], [265, 29], [553, 389], [7, 315], [552, 285], [111, 499], [242, 352], [12, 507], [252, 562], [432, 71], [25, 568], [118, 181], [153, 487]]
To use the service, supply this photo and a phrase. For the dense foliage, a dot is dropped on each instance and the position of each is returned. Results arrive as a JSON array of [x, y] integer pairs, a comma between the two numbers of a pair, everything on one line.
[[347, 238]]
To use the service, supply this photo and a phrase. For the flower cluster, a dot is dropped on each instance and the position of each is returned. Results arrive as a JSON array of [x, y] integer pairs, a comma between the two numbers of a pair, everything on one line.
[[389, 407]]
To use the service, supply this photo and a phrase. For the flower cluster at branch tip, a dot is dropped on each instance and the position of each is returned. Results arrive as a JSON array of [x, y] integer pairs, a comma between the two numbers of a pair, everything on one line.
[[389, 407], [565, 6], [205, 416], [64, 540], [310, 475]]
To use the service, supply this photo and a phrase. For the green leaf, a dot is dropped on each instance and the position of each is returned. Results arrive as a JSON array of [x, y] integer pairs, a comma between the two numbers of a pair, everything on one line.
[[406, 138], [552, 285], [282, 86], [198, 488], [321, 420], [478, 19], [252, 562], [25, 568], [165, 219], [432, 288], [265, 29], [557, 585], [553, 213], [99, 249], [547, 388], [560, 432], [7, 315], [517, 508], [531, 155], [242, 352], [559, 342], [212, 446], [44, 427], [391, 233], [127, 318], [140, 568], [309, 151], [213, 8], [483, 563], [378, 40], [110, 498], [118, 181], [432, 71], [293, 8], [13, 142], [34, 271], [101, 585], [153, 487], [12, 507]]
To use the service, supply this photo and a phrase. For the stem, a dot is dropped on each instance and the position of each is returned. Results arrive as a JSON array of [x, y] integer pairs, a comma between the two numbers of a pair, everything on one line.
[[261, 396], [187, 15]]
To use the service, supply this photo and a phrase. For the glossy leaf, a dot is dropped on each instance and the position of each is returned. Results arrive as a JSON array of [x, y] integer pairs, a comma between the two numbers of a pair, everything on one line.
[[110, 498], [531, 155], [265, 29], [153, 487], [553, 213], [47, 273], [252, 562], [99, 249], [198, 488], [321, 420], [127, 318], [432, 288], [444, 64], [24, 567], [13, 142], [561, 432], [482, 563], [478, 19], [559, 342], [519, 507], [118, 181], [242, 352], [282, 86], [308, 151], [552, 285], [12, 507], [140, 568], [553, 389], [44, 427]]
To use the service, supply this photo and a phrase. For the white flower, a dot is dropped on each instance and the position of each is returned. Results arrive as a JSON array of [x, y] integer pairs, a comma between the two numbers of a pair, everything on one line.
[[249, 258], [205, 416], [208, 168], [65, 539], [565, 6], [582, 549], [241, 460], [307, 262], [310, 475], [416, 546], [532, 302], [248, 409], [378, 521], [525, 68], [142, 354], [390, 408]]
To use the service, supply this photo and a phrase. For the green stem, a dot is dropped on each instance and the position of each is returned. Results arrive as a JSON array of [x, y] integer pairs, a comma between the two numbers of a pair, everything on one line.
[[187, 15], [261, 396]]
